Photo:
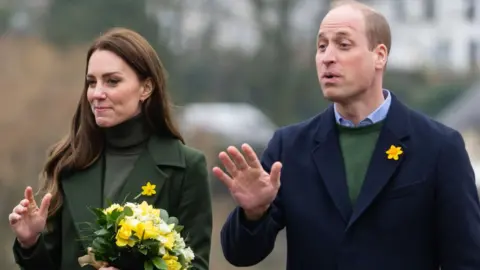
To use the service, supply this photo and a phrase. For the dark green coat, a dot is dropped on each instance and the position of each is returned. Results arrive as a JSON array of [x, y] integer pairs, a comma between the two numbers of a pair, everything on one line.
[[181, 179]]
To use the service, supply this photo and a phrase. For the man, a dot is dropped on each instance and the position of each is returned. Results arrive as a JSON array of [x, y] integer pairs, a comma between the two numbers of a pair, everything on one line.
[[368, 184]]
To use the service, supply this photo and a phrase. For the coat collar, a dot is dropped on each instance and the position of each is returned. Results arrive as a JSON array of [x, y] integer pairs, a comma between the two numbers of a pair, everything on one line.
[[396, 121], [329, 160], [83, 189]]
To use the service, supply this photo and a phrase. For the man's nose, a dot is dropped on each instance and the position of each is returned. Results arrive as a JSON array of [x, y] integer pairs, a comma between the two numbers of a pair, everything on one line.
[[329, 56]]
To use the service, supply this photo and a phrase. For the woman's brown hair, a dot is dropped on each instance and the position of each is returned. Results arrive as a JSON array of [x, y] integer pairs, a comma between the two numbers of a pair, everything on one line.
[[84, 143]]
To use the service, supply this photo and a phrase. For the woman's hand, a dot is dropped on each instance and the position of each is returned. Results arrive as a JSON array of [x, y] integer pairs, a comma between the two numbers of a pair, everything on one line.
[[27, 220], [108, 268]]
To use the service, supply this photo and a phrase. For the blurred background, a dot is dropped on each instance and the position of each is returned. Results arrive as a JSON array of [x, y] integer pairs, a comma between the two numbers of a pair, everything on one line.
[[238, 69]]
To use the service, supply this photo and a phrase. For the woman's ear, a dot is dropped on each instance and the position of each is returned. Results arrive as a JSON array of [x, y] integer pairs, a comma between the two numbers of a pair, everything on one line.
[[146, 89]]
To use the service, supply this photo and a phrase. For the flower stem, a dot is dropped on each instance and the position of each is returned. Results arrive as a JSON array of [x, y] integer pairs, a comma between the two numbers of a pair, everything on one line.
[[138, 196]]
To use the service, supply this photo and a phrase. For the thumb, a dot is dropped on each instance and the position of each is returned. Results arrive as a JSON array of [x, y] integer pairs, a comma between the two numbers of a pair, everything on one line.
[[45, 205], [275, 174]]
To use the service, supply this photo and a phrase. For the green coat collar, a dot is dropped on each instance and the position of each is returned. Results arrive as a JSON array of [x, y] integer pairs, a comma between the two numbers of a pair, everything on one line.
[[83, 189]]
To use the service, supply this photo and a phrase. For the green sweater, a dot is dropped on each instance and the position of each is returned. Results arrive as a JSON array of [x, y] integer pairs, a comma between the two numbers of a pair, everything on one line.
[[124, 143], [357, 145]]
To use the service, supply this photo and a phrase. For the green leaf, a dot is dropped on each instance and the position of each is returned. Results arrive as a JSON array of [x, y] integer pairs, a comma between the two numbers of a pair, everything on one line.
[[150, 242], [102, 222], [114, 215], [99, 257], [178, 228], [125, 199], [101, 241], [143, 251], [119, 218], [176, 252], [108, 202], [182, 260], [98, 212], [159, 263], [128, 211], [173, 220], [148, 265], [155, 249], [98, 246], [163, 215], [102, 232]]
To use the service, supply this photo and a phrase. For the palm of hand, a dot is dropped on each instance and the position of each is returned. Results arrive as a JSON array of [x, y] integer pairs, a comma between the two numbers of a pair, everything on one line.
[[32, 224], [250, 185], [27, 220], [253, 188]]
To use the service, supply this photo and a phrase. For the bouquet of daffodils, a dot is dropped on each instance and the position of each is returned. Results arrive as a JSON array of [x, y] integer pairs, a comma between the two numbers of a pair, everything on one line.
[[137, 236]]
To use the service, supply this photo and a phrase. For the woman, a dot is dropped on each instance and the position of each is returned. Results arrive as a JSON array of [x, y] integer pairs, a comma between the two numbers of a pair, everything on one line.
[[121, 137]]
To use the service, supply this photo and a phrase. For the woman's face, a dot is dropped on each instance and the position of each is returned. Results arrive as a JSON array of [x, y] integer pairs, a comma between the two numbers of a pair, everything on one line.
[[114, 89]]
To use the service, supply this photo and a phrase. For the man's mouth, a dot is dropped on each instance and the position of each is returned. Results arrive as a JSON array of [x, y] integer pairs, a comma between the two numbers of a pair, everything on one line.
[[330, 75]]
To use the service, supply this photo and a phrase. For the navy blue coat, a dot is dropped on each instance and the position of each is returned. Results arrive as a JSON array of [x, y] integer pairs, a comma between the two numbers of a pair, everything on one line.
[[417, 213]]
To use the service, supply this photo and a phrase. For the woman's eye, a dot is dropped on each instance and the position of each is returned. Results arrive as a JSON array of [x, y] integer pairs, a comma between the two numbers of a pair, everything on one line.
[[113, 82], [91, 83]]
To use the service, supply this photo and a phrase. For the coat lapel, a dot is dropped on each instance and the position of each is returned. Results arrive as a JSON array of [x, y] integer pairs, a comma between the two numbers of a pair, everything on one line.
[[394, 132], [329, 162], [151, 167], [83, 189]]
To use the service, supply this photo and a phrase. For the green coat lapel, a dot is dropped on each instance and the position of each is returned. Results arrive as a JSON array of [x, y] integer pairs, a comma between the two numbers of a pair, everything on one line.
[[82, 190], [150, 167]]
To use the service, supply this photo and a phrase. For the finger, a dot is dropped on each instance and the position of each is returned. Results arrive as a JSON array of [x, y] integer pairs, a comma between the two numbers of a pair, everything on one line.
[[13, 218], [222, 176], [238, 158], [25, 203], [20, 209], [251, 156], [275, 174], [102, 265], [30, 198], [228, 163], [45, 205]]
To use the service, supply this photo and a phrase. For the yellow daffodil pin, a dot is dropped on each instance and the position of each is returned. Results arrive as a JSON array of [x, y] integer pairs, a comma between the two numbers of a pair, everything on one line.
[[149, 189], [394, 152]]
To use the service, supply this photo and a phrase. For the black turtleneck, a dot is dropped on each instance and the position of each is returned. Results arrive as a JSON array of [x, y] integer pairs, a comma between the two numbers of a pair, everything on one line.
[[124, 143]]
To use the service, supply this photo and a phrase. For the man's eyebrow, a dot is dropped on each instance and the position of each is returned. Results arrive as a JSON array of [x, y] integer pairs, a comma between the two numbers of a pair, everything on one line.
[[342, 34], [337, 34]]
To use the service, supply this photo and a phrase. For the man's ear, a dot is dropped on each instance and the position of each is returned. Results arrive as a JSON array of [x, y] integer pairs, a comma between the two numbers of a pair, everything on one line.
[[147, 90], [381, 56]]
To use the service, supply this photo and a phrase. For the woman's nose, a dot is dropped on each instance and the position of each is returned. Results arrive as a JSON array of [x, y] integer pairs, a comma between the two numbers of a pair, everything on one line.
[[99, 93]]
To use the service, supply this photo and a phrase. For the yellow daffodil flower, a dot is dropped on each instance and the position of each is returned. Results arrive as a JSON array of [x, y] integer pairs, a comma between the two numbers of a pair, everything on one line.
[[394, 152], [149, 189]]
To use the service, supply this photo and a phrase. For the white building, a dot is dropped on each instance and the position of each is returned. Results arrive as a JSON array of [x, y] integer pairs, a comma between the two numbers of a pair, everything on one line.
[[433, 34]]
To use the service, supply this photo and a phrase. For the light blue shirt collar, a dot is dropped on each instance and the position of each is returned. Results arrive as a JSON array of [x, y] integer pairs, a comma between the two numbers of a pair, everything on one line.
[[376, 116]]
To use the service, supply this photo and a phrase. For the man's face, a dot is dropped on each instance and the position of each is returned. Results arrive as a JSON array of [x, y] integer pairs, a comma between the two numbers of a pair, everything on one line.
[[346, 66]]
